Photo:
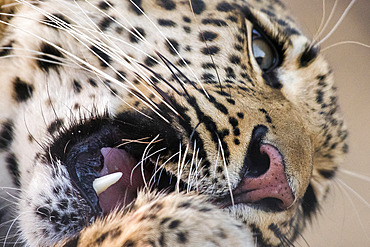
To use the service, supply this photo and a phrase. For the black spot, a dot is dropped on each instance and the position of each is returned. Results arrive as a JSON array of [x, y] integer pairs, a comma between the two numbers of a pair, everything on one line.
[[136, 6], [309, 203], [236, 131], [198, 6], [224, 7], [186, 19], [92, 82], [230, 72], [104, 5], [187, 29], [319, 97], [345, 148], [102, 238], [268, 12], [207, 36], [272, 80], [22, 90], [328, 174], [6, 135], [12, 166], [172, 46], [232, 18], [166, 23], [282, 22], [240, 115], [291, 31], [217, 22], [184, 205], [162, 239], [308, 56], [55, 125], [205, 209], [236, 141], [238, 47], [77, 86], [210, 50], [105, 23], [119, 30], [208, 78], [208, 66], [233, 121], [128, 243], [182, 237], [120, 75], [164, 220], [174, 224], [149, 61], [103, 57], [49, 58], [219, 169], [268, 118], [136, 34], [167, 4], [257, 233], [183, 62], [115, 233], [235, 59], [6, 49]]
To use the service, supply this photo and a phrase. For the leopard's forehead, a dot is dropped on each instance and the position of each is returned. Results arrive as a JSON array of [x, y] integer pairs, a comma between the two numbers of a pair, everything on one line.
[[179, 71]]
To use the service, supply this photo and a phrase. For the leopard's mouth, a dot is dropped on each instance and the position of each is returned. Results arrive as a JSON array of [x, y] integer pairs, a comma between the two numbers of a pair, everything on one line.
[[122, 176], [109, 175]]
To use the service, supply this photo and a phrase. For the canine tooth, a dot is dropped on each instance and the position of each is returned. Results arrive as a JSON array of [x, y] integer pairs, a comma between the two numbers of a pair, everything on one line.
[[103, 183]]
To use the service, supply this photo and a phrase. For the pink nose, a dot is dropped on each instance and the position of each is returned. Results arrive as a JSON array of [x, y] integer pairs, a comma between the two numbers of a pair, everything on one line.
[[269, 188]]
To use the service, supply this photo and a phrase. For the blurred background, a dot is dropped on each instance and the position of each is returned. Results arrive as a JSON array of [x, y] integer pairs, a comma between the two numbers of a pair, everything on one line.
[[345, 218]]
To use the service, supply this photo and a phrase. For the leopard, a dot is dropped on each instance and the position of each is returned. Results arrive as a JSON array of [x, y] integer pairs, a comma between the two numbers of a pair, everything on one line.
[[162, 123]]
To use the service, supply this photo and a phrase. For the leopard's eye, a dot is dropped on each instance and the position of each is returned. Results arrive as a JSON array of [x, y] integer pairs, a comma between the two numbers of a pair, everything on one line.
[[264, 51]]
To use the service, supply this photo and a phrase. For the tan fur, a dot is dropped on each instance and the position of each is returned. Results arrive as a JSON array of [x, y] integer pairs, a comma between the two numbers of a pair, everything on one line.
[[302, 117]]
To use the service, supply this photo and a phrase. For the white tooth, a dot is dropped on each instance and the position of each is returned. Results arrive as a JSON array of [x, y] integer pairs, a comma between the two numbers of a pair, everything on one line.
[[103, 183]]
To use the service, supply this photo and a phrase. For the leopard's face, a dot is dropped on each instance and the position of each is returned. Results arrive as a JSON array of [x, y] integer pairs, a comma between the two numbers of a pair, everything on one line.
[[224, 98]]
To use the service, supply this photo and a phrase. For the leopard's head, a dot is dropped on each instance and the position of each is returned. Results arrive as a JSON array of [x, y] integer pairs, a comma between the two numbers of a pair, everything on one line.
[[224, 98]]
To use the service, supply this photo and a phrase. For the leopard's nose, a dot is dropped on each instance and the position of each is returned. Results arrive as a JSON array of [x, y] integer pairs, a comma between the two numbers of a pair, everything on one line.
[[265, 182]]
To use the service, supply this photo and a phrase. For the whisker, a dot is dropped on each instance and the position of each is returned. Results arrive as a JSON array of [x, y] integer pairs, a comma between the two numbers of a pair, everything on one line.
[[327, 22], [354, 174], [169, 66], [338, 23], [356, 194], [341, 184], [160, 77], [226, 171], [348, 42]]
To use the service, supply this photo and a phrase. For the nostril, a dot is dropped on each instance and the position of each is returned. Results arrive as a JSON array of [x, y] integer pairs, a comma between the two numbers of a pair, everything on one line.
[[257, 161]]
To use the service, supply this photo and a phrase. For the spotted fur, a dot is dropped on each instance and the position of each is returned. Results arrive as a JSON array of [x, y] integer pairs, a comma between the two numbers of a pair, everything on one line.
[[178, 72]]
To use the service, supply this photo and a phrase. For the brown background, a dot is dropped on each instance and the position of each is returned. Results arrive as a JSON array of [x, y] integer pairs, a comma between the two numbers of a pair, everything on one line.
[[345, 219]]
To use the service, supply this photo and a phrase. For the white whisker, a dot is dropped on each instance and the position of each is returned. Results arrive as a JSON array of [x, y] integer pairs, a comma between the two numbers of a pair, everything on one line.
[[354, 192], [338, 23], [348, 42], [353, 205], [226, 172]]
